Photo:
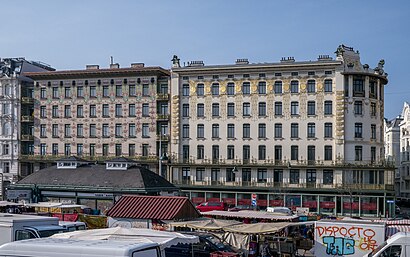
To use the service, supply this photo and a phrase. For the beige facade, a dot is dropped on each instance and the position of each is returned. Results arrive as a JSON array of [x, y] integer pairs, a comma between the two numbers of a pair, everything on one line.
[[299, 134], [101, 113]]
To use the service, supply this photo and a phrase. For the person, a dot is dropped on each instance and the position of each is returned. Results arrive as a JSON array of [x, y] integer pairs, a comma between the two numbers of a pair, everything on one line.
[[265, 250]]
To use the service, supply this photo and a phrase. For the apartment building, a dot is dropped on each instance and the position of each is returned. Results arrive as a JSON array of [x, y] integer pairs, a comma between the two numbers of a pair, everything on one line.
[[296, 133], [392, 148], [404, 155], [97, 114], [16, 106]]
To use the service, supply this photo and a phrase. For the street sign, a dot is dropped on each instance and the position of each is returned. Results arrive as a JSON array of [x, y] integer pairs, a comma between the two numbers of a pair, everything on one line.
[[254, 196]]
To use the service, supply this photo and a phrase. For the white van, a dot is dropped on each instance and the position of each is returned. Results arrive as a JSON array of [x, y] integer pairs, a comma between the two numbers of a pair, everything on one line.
[[58, 247], [396, 246], [70, 226]]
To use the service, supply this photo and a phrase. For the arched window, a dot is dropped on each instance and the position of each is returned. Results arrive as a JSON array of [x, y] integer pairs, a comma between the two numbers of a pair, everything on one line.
[[6, 129]]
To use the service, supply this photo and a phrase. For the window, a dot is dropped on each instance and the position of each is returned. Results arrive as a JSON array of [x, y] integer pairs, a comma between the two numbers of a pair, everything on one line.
[[106, 91], [200, 152], [231, 131], [55, 92], [358, 107], [358, 130], [294, 108], [215, 152], [54, 112], [311, 86], [185, 110], [132, 90], [67, 149], [262, 152], [93, 91], [80, 149], [278, 130], [80, 91], [54, 149], [278, 108], [215, 110], [262, 88], [373, 89], [43, 150], [67, 111], [294, 152], [145, 149], [145, 110], [231, 109], [118, 149], [311, 131], [118, 110], [118, 90], [67, 92], [230, 152], [93, 130], [230, 89], [43, 93], [373, 131], [328, 153], [246, 130], [215, 131], [328, 107], [215, 174], [294, 73], [373, 109], [328, 130], [294, 130], [80, 130], [311, 108], [392, 251], [185, 131], [311, 153], [278, 87], [145, 130], [43, 130], [43, 113], [246, 88], [278, 74], [372, 154], [246, 152], [278, 152], [358, 86], [145, 90], [131, 130], [80, 111], [200, 110], [246, 109], [106, 149], [311, 176], [105, 111], [262, 175], [246, 175], [262, 109], [215, 89], [54, 131], [200, 131], [199, 174], [67, 130], [294, 177], [118, 130], [294, 86], [327, 177], [200, 89], [105, 130], [131, 150], [328, 85], [262, 130], [358, 153], [93, 111]]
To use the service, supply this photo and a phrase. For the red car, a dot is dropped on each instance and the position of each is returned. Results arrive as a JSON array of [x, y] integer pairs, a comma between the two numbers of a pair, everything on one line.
[[212, 206]]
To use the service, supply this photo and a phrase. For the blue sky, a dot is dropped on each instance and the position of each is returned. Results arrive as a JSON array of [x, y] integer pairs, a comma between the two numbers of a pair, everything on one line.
[[71, 34]]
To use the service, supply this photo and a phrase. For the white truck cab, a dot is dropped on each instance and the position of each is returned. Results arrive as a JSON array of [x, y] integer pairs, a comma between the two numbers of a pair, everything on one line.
[[396, 246], [59, 247]]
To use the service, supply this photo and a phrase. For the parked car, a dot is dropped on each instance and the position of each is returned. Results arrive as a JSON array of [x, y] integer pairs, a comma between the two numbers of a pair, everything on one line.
[[72, 225], [212, 206], [208, 244], [284, 210], [244, 207]]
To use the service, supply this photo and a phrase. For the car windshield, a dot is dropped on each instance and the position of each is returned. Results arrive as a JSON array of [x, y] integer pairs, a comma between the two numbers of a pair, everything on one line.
[[377, 249], [48, 233]]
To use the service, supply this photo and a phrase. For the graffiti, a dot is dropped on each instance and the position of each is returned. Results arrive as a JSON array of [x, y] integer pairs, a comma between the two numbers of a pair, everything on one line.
[[338, 245]]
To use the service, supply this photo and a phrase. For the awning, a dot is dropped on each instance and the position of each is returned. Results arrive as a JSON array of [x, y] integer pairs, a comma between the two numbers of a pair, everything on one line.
[[6, 203], [393, 229], [206, 224], [257, 228], [394, 222], [245, 214]]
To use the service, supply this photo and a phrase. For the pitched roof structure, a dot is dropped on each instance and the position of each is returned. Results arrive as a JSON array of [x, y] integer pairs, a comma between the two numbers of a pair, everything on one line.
[[154, 207]]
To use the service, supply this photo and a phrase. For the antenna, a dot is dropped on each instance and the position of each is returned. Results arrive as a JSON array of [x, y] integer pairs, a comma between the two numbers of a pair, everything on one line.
[[112, 60]]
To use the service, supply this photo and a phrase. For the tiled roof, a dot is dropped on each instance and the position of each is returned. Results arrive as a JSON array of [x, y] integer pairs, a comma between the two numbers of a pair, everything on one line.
[[154, 207]]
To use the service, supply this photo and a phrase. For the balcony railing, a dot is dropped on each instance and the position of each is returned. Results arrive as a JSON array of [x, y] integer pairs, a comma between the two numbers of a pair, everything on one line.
[[285, 186], [162, 96], [27, 100], [27, 138], [162, 116], [98, 158], [27, 118], [163, 138]]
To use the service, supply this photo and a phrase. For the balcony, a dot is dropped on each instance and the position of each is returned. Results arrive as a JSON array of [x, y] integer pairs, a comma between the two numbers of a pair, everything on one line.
[[163, 138], [27, 100], [95, 158], [162, 97], [27, 118], [27, 138], [162, 116]]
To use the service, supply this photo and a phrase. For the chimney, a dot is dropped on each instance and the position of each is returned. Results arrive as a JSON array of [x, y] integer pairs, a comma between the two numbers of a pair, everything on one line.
[[114, 66], [242, 61], [137, 65], [92, 67], [287, 59]]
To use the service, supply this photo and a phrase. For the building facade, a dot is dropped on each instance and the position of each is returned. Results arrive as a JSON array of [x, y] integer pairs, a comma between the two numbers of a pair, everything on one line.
[[392, 149], [297, 134], [404, 155], [16, 97], [100, 113]]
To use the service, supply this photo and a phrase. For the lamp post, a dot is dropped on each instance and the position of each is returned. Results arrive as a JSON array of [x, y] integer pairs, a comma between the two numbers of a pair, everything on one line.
[[2, 186], [162, 157]]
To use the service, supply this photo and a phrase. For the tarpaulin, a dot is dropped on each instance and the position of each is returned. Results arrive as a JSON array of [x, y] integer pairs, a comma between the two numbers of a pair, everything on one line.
[[66, 217], [93, 221]]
